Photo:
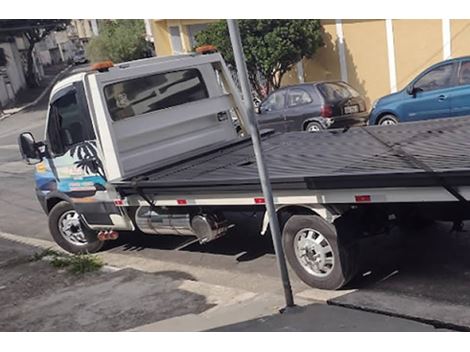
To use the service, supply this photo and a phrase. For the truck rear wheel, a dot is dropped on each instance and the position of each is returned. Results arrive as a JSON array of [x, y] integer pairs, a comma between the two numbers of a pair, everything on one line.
[[314, 252], [69, 232]]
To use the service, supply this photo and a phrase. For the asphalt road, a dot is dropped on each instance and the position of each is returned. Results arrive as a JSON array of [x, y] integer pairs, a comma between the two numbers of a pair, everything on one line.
[[423, 261]]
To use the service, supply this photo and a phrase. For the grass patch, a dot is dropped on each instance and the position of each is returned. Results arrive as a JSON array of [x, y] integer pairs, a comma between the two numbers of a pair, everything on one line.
[[76, 264], [45, 253]]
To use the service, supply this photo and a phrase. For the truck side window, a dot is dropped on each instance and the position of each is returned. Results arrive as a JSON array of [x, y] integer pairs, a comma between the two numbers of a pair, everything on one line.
[[67, 124], [155, 92]]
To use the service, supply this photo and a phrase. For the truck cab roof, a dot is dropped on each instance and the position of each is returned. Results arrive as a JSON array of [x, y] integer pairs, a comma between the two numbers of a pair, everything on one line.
[[77, 77], [66, 82]]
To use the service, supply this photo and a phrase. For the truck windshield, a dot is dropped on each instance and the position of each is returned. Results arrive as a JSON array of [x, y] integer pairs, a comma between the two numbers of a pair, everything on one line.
[[151, 93]]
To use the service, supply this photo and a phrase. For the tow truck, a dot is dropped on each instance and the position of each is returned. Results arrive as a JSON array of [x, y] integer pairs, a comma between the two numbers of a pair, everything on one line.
[[150, 145]]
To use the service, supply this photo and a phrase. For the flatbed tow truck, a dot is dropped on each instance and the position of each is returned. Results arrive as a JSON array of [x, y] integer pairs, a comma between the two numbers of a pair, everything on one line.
[[151, 145]]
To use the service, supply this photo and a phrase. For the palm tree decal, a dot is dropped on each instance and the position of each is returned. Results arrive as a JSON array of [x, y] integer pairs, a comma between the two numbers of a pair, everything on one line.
[[88, 159]]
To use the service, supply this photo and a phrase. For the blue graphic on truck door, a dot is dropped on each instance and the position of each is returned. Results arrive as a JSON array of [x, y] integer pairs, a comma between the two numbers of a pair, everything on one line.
[[78, 173]]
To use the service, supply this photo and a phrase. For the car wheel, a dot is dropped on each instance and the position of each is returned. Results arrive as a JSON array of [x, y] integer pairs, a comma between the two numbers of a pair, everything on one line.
[[313, 127], [70, 233], [388, 120], [315, 253]]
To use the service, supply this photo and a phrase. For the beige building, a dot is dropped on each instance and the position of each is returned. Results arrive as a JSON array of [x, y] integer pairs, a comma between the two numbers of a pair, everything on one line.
[[172, 37], [84, 29], [377, 57]]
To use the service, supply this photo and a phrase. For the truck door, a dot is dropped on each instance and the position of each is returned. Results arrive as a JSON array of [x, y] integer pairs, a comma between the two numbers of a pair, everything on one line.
[[72, 165]]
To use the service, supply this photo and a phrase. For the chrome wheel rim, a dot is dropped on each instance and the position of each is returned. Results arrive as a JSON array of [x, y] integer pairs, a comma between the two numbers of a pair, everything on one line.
[[314, 252], [313, 128], [71, 229], [388, 122]]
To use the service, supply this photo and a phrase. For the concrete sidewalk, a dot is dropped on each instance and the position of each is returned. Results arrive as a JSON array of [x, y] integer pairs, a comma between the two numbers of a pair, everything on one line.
[[260, 313], [34, 296]]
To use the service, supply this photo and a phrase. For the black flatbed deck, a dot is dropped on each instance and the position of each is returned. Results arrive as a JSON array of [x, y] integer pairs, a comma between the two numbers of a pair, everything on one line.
[[405, 155]]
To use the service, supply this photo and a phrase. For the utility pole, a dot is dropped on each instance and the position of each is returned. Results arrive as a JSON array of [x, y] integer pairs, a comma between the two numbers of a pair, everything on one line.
[[262, 170]]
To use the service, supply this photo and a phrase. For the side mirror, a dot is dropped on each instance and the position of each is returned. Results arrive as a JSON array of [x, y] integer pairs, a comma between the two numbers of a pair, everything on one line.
[[412, 90], [29, 149], [258, 109]]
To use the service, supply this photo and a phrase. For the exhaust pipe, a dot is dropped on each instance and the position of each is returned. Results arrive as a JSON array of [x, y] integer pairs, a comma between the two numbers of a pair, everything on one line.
[[108, 235]]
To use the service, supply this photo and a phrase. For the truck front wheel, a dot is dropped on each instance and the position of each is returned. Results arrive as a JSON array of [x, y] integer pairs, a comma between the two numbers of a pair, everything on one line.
[[315, 253], [69, 232]]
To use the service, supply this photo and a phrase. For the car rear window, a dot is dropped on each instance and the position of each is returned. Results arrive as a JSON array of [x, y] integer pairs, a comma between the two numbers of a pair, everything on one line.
[[155, 92], [333, 91]]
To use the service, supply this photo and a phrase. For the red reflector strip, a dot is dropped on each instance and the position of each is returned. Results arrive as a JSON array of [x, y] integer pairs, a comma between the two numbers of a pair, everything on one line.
[[259, 200], [181, 201], [118, 202], [362, 198]]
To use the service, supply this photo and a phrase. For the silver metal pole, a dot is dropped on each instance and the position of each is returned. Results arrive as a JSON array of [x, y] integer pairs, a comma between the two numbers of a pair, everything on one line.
[[263, 172]]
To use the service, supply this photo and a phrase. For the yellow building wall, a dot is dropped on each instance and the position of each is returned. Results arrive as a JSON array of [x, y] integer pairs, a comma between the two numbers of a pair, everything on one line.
[[324, 65], [460, 34], [365, 46], [290, 77], [418, 44], [162, 38]]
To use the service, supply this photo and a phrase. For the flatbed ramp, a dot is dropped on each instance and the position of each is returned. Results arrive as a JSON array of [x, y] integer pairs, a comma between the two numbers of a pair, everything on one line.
[[412, 154]]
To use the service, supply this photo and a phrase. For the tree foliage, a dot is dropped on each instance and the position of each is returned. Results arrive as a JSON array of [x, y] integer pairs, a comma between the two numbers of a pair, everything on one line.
[[119, 40], [271, 47], [34, 31]]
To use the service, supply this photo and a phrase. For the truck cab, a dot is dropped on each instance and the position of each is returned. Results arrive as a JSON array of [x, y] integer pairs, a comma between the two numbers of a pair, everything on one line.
[[120, 121]]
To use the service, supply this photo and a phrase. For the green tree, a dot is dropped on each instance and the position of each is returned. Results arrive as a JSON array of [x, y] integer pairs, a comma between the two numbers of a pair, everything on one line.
[[34, 31], [119, 40], [271, 47]]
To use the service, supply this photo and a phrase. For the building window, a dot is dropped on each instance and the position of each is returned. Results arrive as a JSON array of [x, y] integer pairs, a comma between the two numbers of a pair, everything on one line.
[[194, 29], [175, 35]]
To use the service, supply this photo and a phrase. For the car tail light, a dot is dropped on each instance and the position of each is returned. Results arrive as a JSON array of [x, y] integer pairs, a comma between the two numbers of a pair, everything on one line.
[[326, 111]]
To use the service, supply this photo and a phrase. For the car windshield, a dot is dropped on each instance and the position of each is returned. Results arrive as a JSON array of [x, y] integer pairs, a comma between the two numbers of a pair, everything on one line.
[[333, 91]]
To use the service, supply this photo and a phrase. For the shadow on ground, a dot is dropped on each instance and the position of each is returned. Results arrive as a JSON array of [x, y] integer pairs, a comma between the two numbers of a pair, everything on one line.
[[34, 296], [424, 276], [432, 256], [320, 317], [242, 241]]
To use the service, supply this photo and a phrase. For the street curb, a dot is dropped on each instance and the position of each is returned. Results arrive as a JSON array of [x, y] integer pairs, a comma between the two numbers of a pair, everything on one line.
[[35, 101], [43, 244], [201, 274]]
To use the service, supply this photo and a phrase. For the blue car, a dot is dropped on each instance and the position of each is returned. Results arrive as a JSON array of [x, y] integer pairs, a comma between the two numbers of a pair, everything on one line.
[[442, 90]]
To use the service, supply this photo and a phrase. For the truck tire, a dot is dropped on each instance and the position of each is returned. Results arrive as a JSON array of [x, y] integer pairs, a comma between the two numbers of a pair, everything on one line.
[[70, 233], [314, 252]]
